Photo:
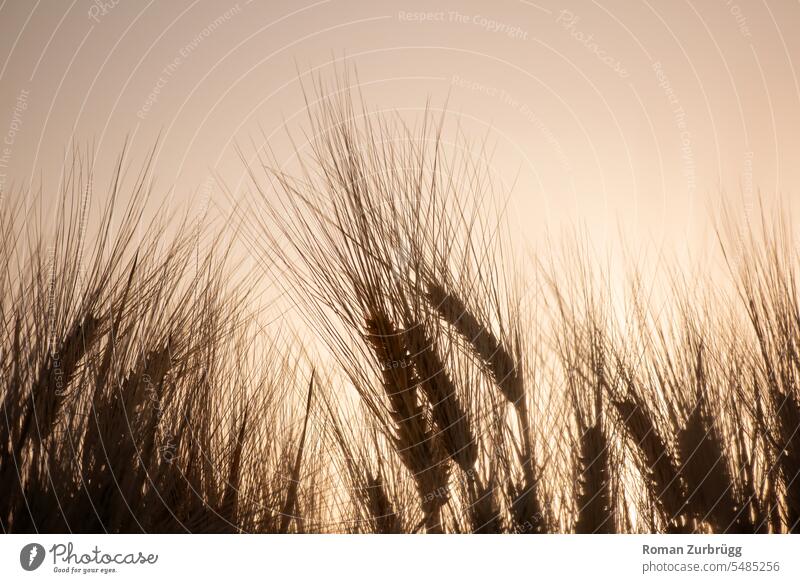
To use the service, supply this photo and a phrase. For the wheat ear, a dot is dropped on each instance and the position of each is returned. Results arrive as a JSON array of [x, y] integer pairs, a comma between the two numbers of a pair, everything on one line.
[[413, 440]]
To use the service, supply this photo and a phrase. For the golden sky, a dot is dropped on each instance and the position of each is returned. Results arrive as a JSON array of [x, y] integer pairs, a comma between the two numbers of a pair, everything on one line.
[[619, 115]]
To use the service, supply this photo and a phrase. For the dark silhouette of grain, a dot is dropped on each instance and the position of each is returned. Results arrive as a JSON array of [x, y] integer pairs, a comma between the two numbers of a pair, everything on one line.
[[138, 392]]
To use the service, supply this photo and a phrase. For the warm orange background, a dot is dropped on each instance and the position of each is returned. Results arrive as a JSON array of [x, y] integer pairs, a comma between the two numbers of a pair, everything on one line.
[[630, 116]]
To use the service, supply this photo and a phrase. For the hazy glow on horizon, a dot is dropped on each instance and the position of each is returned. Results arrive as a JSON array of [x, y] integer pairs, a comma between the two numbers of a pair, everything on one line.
[[615, 115]]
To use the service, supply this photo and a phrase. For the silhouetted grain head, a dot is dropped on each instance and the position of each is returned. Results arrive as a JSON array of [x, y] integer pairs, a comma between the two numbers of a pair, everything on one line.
[[527, 512], [414, 441], [658, 462], [449, 416], [55, 377], [704, 467], [383, 516], [479, 336], [788, 438], [290, 505], [594, 496]]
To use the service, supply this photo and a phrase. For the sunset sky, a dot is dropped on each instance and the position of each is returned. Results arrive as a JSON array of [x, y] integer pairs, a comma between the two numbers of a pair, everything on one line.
[[513, 292], [632, 116]]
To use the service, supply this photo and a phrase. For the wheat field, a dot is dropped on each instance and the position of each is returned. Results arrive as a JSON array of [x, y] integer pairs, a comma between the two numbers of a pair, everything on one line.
[[444, 389]]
